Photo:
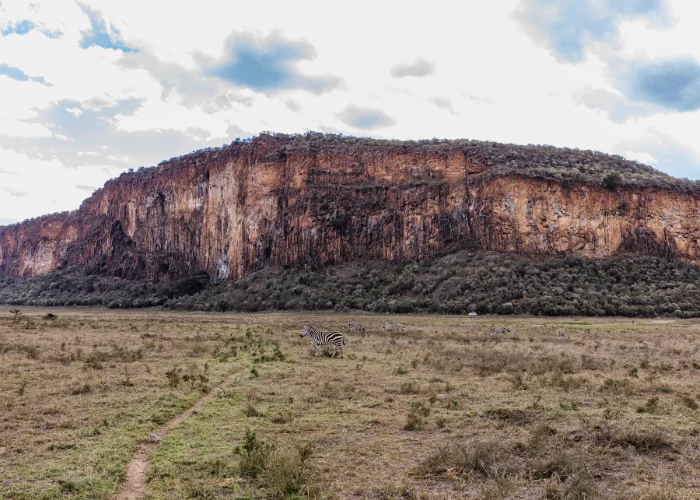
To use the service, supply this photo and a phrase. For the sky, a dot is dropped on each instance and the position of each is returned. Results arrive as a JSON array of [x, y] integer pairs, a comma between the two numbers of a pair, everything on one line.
[[89, 89]]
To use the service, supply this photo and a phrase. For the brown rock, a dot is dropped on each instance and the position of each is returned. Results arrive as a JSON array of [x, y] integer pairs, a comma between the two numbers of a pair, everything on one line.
[[277, 201]]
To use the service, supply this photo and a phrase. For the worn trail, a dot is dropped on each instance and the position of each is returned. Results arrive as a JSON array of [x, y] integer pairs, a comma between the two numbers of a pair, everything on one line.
[[134, 487]]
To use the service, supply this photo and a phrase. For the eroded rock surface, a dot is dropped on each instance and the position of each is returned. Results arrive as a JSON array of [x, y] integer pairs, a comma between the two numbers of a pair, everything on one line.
[[278, 201]]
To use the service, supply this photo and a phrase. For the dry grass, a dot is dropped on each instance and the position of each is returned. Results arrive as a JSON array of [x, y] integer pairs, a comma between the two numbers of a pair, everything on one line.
[[439, 410]]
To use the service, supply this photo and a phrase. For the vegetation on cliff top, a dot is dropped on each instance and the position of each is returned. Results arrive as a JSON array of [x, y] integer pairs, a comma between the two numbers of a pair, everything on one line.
[[485, 282], [533, 161]]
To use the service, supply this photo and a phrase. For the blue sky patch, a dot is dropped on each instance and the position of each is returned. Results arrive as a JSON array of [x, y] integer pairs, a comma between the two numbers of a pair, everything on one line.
[[98, 35], [269, 64], [19, 28]]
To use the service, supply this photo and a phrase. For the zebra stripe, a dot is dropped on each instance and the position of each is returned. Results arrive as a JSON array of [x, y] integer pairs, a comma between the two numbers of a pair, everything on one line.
[[499, 330], [560, 332], [356, 327], [319, 339], [391, 327]]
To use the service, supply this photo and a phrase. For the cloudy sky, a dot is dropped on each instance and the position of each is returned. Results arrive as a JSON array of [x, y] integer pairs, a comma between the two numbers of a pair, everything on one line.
[[91, 88]]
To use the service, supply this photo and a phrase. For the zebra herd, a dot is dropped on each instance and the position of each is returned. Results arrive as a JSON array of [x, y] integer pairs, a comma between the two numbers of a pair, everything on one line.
[[386, 326], [336, 339]]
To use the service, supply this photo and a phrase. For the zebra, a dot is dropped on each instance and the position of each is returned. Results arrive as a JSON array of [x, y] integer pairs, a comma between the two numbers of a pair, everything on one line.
[[319, 339], [391, 327], [499, 330], [560, 332], [356, 327]]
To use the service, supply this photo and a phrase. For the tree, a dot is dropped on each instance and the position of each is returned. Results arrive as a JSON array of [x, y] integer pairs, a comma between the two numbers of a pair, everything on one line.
[[612, 180]]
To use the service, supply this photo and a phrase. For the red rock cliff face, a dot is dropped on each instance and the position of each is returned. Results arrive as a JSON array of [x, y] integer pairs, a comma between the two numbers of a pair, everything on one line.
[[272, 202]]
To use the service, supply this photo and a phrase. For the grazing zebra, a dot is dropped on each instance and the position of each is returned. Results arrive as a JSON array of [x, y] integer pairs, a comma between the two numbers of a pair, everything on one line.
[[391, 327], [499, 330], [560, 332], [319, 339], [356, 327]]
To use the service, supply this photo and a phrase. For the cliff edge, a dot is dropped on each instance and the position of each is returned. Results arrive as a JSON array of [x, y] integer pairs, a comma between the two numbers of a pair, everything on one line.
[[279, 200]]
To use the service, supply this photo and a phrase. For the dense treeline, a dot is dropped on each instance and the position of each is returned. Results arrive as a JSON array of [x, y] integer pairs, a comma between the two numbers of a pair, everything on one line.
[[484, 282]]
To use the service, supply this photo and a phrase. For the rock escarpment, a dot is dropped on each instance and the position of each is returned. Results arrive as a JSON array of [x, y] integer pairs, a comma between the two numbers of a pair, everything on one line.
[[281, 200]]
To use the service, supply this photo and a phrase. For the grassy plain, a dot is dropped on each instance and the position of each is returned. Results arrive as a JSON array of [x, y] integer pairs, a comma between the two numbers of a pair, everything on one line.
[[438, 410]]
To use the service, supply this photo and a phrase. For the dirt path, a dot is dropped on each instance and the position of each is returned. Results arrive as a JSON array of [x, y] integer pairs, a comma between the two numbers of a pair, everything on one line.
[[134, 487]]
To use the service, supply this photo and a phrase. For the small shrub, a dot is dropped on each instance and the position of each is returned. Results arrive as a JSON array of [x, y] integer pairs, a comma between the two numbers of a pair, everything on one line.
[[414, 421], [254, 454], [489, 459], [288, 474], [173, 376], [612, 180]]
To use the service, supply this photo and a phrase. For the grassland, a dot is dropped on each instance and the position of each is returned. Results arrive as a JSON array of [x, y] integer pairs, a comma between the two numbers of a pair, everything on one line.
[[438, 410]]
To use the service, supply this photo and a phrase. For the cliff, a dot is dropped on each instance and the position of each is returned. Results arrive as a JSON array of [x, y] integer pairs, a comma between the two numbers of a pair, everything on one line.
[[280, 200]]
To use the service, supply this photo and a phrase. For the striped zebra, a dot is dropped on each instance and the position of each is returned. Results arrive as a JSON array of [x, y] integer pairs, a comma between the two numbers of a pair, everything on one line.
[[391, 327], [560, 332], [319, 339], [356, 327], [499, 330]]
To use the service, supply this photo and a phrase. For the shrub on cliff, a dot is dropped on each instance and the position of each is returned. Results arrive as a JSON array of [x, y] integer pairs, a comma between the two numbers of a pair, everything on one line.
[[612, 180]]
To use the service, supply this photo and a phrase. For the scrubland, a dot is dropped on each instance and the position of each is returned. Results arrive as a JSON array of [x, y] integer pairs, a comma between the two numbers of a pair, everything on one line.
[[440, 409]]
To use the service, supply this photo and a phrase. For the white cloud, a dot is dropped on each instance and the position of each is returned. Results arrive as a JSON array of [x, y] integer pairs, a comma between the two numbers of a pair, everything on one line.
[[486, 77], [641, 156], [18, 128], [35, 187]]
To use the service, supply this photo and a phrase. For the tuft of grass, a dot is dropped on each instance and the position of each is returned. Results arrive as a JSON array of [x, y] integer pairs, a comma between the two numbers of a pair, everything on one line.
[[411, 387], [651, 406], [485, 458], [81, 389], [643, 441], [510, 416], [689, 402]]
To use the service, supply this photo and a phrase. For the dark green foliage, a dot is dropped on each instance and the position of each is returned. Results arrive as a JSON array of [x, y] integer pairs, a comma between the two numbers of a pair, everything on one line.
[[486, 282], [612, 180]]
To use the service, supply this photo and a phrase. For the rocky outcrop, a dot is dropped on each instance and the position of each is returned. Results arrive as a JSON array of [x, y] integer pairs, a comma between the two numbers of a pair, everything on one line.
[[282, 200]]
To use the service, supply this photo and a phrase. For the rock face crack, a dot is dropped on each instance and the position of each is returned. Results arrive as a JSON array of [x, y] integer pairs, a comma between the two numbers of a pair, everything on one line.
[[278, 201]]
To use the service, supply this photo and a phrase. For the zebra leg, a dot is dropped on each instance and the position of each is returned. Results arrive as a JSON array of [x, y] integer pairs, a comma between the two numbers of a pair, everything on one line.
[[317, 350], [334, 348]]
